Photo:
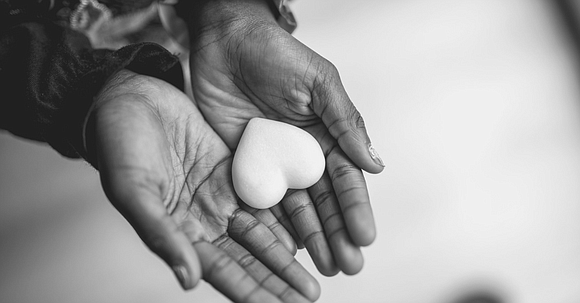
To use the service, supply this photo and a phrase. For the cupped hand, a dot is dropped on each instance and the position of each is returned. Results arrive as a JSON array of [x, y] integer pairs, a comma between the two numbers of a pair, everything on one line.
[[169, 174], [243, 65]]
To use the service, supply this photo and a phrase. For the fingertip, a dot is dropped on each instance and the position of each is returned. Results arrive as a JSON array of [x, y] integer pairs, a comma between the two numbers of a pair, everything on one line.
[[312, 290], [354, 265], [329, 271], [322, 257], [299, 244], [307, 285], [348, 256], [185, 277], [290, 244], [195, 269], [374, 169], [183, 260], [345, 123], [379, 165], [362, 232], [353, 268], [160, 233], [164, 238], [364, 156], [285, 238], [365, 239]]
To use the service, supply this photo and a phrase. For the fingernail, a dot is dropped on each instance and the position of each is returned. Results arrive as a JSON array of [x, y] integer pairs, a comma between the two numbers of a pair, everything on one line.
[[182, 275], [375, 156]]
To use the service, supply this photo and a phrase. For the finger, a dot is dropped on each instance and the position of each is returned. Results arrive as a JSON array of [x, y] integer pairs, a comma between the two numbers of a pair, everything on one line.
[[302, 212], [280, 214], [343, 120], [260, 242], [347, 255], [228, 277], [128, 167], [351, 190], [259, 271], [145, 212], [267, 218]]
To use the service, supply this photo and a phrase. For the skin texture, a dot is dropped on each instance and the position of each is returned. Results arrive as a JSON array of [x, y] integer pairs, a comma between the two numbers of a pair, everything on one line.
[[243, 65], [168, 171], [169, 174]]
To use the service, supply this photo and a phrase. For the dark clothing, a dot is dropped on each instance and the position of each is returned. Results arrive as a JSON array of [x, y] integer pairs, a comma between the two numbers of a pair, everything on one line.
[[49, 75]]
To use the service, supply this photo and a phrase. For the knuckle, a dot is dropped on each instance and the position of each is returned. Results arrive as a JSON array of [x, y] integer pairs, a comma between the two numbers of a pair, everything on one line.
[[333, 222], [328, 68], [247, 260], [251, 226], [270, 247], [343, 171], [323, 198], [242, 223], [222, 242], [287, 293], [326, 72], [220, 265], [264, 281], [275, 225], [313, 236], [360, 122], [299, 210]]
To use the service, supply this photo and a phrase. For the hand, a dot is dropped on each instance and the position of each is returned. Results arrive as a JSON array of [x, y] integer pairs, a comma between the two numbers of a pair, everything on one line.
[[169, 174], [243, 65]]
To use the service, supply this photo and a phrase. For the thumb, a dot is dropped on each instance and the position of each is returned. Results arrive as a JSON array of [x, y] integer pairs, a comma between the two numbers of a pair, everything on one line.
[[130, 153], [144, 210], [344, 122], [163, 236]]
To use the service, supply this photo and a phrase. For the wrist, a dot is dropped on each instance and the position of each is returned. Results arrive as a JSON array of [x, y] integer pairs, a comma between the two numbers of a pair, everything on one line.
[[222, 16]]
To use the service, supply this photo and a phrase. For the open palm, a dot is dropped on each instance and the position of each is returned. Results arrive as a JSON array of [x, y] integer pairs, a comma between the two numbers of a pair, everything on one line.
[[243, 65], [169, 174]]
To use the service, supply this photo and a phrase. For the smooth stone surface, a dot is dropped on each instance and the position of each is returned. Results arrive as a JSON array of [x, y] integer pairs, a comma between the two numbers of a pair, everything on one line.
[[272, 157]]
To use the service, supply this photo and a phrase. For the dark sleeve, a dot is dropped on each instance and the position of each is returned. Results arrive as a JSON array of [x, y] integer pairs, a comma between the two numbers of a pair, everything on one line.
[[49, 75]]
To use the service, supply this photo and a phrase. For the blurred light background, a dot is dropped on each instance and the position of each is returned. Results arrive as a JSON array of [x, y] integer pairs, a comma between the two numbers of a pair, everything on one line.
[[474, 107]]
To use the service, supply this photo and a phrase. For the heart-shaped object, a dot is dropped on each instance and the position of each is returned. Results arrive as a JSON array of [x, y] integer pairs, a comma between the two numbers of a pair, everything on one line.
[[272, 157]]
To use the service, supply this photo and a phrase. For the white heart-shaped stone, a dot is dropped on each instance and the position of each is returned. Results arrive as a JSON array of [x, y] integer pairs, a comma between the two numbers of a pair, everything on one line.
[[272, 157]]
